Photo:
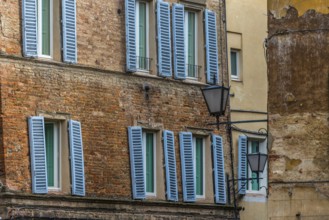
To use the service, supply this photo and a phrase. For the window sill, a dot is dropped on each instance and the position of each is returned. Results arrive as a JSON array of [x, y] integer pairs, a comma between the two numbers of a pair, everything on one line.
[[236, 79], [254, 196]]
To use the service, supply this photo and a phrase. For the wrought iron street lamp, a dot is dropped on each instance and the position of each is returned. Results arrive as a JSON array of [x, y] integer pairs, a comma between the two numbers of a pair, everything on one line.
[[257, 162]]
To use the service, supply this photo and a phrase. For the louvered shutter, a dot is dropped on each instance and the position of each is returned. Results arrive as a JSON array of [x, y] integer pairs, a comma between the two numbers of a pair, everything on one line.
[[38, 155], [242, 164], [186, 152], [69, 31], [219, 171], [211, 47], [30, 28], [137, 162], [131, 64], [179, 41], [170, 165], [164, 42], [76, 155]]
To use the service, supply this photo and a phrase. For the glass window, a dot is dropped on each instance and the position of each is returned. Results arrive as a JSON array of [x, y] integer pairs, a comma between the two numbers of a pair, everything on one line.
[[142, 35], [52, 148], [191, 43], [199, 166], [45, 27], [149, 152], [234, 64]]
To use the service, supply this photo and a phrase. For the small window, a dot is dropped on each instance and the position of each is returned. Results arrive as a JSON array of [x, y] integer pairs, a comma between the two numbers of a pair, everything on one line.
[[235, 68], [142, 30], [45, 28], [191, 41], [199, 165], [149, 165]]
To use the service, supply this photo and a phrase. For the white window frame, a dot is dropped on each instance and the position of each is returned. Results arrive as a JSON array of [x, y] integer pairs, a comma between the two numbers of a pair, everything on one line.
[[57, 158], [154, 162], [237, 76], [186, 41], [262, 182], [203, 196], [137, 33], [40, 30]]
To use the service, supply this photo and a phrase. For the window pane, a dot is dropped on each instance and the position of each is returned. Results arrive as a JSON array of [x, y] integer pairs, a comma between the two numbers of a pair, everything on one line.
[[49, 136], [45, 27], [199, 166], [142, 35], [254, 146], [191, 44], [149, 163], [234, 63], [254, 185]]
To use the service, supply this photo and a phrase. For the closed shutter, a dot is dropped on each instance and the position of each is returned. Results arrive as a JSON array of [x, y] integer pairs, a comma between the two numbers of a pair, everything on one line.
[[38, 155], [69, 31], [164, 42], [137, 162], [211, 47], [76, 155], [30, 27], [131, 64], [170, 163], [186, 152], [179, 41], [242, 164], [219, 171]]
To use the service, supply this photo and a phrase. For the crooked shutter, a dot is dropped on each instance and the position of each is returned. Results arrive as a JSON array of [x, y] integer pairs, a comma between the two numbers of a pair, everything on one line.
[[136, 162], [211, 47], [69, 31], [164, 42], [131, 64], [170, 163], [30, 27], [38, 155], [219, 171], [242, 164], [179, 41], [186, 152], [77, 162]]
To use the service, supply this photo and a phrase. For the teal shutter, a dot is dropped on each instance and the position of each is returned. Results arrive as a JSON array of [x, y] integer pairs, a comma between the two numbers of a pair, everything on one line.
[[164, 42], [30, 27], [219, 171], [170, 165], [242, 164], [211, 47], [38, 155], [69, 31], [188, 180], [76, 155], [178, 41], [137, 162], [131, 64]]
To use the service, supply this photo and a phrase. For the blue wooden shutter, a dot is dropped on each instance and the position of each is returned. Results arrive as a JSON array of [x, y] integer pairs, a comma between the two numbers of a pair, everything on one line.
[[137, 162], [219, 171], [242, 164], [211, 47], [131, 64], [38, 155], [170, 163], [30, 27], [179, 41], [164, 42], [186, 152], [69, 31], [77, 162]]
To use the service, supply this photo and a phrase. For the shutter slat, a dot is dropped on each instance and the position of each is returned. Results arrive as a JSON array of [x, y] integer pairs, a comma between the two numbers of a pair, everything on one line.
[[219, 170], [130, 16], [170, 163], [211, 47], [38, 155], [186, 152], [137, 162], [242, 164], [30, 26], [77, 162], [69, 31], [164, 41]]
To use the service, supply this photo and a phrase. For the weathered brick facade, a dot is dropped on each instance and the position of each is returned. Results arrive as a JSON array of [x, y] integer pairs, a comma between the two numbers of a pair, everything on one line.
[[106, 100]]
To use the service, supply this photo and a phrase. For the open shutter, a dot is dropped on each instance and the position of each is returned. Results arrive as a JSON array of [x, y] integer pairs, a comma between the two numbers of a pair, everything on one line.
[[131, 64], [219, 171], [38, 155], [137, 162], [186, 152], [164, 42], [30, 26], [179, 41], [170, 164], [211, 47], [242, 164], [77, 162], [69, 31]]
